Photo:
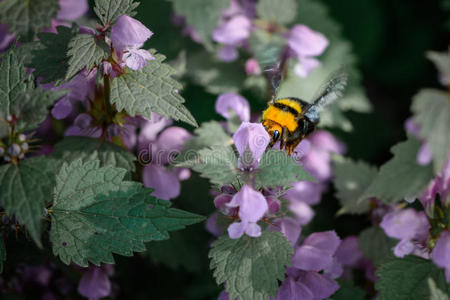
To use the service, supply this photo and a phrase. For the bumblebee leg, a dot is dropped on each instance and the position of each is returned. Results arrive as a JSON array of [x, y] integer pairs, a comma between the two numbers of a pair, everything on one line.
[[284, 138], [294, 145]]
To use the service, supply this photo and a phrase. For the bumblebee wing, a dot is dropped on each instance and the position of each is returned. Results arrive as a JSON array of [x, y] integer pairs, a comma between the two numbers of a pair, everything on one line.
[[330, 91], [274, 75]]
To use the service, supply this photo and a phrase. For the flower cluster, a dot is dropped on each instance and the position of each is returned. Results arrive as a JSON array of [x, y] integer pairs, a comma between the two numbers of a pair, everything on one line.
[[240, 19]]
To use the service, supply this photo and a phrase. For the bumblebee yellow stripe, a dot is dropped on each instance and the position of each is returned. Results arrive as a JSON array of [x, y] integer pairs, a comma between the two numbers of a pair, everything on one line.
[[284, 118], [291, 103]]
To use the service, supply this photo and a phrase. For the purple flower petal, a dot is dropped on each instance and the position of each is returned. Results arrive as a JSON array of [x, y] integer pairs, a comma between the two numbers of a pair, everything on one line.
[[233, 102], [252, 204], [252, 136], [252, 229], [305, 66], [233, 32], [62, 108], [94, 283], [129, 33], [406, 224], [294, 290], [334, 270], [303, 212], [236, 230], [309, 258], [321, 286], [424, 156], [441, 252], [6, 39], [164, 182], [306, 42], [412, 127], [136, 59], [72, 9], [327, 241], [221, 201], [326, 141], [151, 128], [348, 253], [170, 142], [228, 53], [288, 227], [404, 247], [212, 226], [304, 191]]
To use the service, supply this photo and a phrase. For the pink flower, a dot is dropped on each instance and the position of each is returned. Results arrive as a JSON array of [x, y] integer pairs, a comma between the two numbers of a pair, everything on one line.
[[72, 9], [127, 36], [306, 44], [235, 103], [254, 137], [441, 253], [252, 207]]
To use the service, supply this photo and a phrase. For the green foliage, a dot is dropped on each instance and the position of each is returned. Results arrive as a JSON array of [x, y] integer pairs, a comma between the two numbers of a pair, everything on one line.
[[404, 279], [25, 189], [266, 47], [50, 58], [435, 292], [351, 179], [431, 110], [217, 163], [376, 245], [109, 154], [109, 10], [215, 76], [85, 51], [28, 17], [401, 177], [202, 15], [208, 134], [31, 107], [12, 81], [251, 267], [151, 89], [347, 291], [2, 254], [281, 11], [95, 213], [276, 168]]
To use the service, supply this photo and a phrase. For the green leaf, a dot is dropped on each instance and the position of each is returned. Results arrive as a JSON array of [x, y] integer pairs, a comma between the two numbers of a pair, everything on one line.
[[85, 51], [95, 214], [50, 58], [25, 189], [347, 291], [217, 163], [281, 11], [109, 10], [435, 292], [441, 61], [404, 279], [2, 254], [151, 89], [202, 15], [31, 107], [351, 179], [376, 245], [401, 177], [209, 134], [215, 76], [251, 267], [12, 81], [109, 154], [431, 110], [28, 17], [278, 169]]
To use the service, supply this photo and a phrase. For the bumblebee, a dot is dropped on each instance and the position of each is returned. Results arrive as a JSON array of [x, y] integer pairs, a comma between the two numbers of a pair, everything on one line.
[[289, 120]]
